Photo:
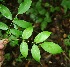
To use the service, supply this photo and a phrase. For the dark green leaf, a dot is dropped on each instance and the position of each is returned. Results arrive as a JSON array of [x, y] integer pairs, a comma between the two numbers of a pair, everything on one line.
[[44, 25], [47, 18], [13, 43], [19, 1], [67, 42], [65, 4]]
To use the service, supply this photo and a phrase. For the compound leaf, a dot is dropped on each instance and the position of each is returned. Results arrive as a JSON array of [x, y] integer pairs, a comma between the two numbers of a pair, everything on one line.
[[27, 32], [51, 47], [42, 36], [24, 6], [24, 49], [5, 12], [3, 26], [36, 53]]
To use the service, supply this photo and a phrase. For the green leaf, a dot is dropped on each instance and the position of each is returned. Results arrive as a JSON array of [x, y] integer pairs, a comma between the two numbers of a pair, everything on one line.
[[51, 47], [15, 32], [39, 20], [47, 18], [52, 9], [36, 53], [24, 49], [3, 26], [47, 5], [42, 12], [5, 12], [19, 1], [67, 42], [22, 23], [42, 36], [7, 56], [44, 25], [12, 37], [27, 32], [24, 6], [69, 36], [65, 4], [13, 43]]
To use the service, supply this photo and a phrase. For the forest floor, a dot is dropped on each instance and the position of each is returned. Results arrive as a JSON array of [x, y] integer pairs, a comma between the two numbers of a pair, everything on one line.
[[60, 27]]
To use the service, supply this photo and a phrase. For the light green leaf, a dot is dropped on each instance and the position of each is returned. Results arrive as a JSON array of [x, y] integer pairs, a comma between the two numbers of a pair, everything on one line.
[[22, 23], [36, 53], [3, 26], [5, 12], [15, 32], [51, 47], [24, 49], [24, 6], [42, 36], [27, 32]]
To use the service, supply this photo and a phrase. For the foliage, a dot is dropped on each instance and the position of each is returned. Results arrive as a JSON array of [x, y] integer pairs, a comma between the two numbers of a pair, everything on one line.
[[19, 58], [67, 41], [5, 12], [24, 49], [27, 33], [36, 53], [40, 14], [42, 36], [19, 1], [66, 5], [24, 6], [22, 29], [47, 46], [7, 56], [3, 26]]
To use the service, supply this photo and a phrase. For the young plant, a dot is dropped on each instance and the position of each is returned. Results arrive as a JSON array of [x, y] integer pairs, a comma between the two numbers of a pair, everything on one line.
[[19, 26], [50, 47]]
